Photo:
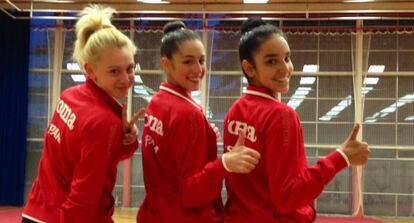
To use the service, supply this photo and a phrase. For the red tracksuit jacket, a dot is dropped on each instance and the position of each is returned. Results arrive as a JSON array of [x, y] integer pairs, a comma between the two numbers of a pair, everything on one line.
[[282, 187], [182, 174], [82, 148]]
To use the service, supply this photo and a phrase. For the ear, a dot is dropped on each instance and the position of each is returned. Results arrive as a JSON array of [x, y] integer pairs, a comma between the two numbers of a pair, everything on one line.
[[248, 68], [87, 67], [166, 64]]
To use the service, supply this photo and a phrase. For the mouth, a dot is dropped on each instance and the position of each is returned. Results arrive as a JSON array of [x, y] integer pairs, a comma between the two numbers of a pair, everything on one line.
[[195, 80], [282, 80], [123, 89]]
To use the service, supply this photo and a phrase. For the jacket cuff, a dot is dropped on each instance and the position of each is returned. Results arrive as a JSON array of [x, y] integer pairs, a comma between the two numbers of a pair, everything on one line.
[[224, 164], [337, 160], [345, 157]]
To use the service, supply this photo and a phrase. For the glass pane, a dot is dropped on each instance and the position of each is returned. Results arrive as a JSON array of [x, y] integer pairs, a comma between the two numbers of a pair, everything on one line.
[[377, 134], [379, 205], [335, 61], [334, 203], [405, 135], [309, 132], [67, 80], [34, 153], [336, 110], [307, 110], [148, 39], [335, 87], [39, 48], [333, 133], [381, 41], [384, 88], [406, 99], [405, 61], [296, 41], [225, 60], [137, 179], [219, 107], [388, 176], [148, 59], [382, 153], [69, 43], [337, 42], [405, 41], [225, 40], [405, 205], [379, 111], [225, 85], [298, 90], [386, 58], [299, 59], [38, 83]]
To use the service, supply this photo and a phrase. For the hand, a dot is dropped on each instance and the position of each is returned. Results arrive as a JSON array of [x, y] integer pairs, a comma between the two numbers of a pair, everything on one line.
[[356, 151], [241, 159], [130, 130], [216, 130]]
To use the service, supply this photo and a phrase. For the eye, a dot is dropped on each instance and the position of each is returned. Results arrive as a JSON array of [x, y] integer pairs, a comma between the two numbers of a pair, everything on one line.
[[271, 61], [114, 71], [188, 62], [287, 59], [202, 61], [130, 69]]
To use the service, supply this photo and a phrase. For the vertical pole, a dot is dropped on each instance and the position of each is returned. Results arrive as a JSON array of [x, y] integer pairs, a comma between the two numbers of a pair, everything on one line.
[[57, 66], [357, 179], [126, 187], [205, 79]]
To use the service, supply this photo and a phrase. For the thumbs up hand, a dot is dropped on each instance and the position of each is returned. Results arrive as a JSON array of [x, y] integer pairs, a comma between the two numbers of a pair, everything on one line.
[[241, 159], [356, 151]]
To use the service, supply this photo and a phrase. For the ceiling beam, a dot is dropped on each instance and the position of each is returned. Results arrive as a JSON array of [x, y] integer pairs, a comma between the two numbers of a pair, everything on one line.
[[311, 7]]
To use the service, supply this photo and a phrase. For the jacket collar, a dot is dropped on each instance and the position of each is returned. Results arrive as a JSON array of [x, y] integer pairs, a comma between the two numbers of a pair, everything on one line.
[[111, 101], [180, 92], [261, 92]]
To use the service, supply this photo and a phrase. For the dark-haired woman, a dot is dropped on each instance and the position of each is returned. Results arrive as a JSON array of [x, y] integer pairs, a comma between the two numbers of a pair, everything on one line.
[[182, 174], [282, 187]]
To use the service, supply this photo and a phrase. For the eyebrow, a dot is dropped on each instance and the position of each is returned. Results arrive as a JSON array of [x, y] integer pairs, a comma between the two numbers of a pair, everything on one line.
[[192, 57], [117, 66], [275, 55]]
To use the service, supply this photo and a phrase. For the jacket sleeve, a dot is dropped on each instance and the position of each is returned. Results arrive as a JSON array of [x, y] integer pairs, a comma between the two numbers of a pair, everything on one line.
[[90, 174], [293, 184], [200, 178]]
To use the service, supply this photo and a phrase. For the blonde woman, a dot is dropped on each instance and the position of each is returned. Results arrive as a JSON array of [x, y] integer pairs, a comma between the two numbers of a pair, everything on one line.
[[89, 133]]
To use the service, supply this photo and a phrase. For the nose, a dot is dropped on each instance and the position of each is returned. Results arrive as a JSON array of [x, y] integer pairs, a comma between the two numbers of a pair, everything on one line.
[[126, 78], [200, 68], [287, 67]]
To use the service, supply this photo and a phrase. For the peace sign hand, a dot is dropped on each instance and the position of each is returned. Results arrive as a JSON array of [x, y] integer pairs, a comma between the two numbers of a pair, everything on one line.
[[130, 130]]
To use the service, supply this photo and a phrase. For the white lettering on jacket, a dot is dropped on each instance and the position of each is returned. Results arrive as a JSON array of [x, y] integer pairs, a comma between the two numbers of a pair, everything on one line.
[[66, 114], [154, 124], [149, 141], [54, 131], [234, 127]]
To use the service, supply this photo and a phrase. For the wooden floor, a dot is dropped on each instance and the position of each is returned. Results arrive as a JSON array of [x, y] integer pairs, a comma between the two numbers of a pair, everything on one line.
[[128, 216], [13, 214], [125, 215]]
